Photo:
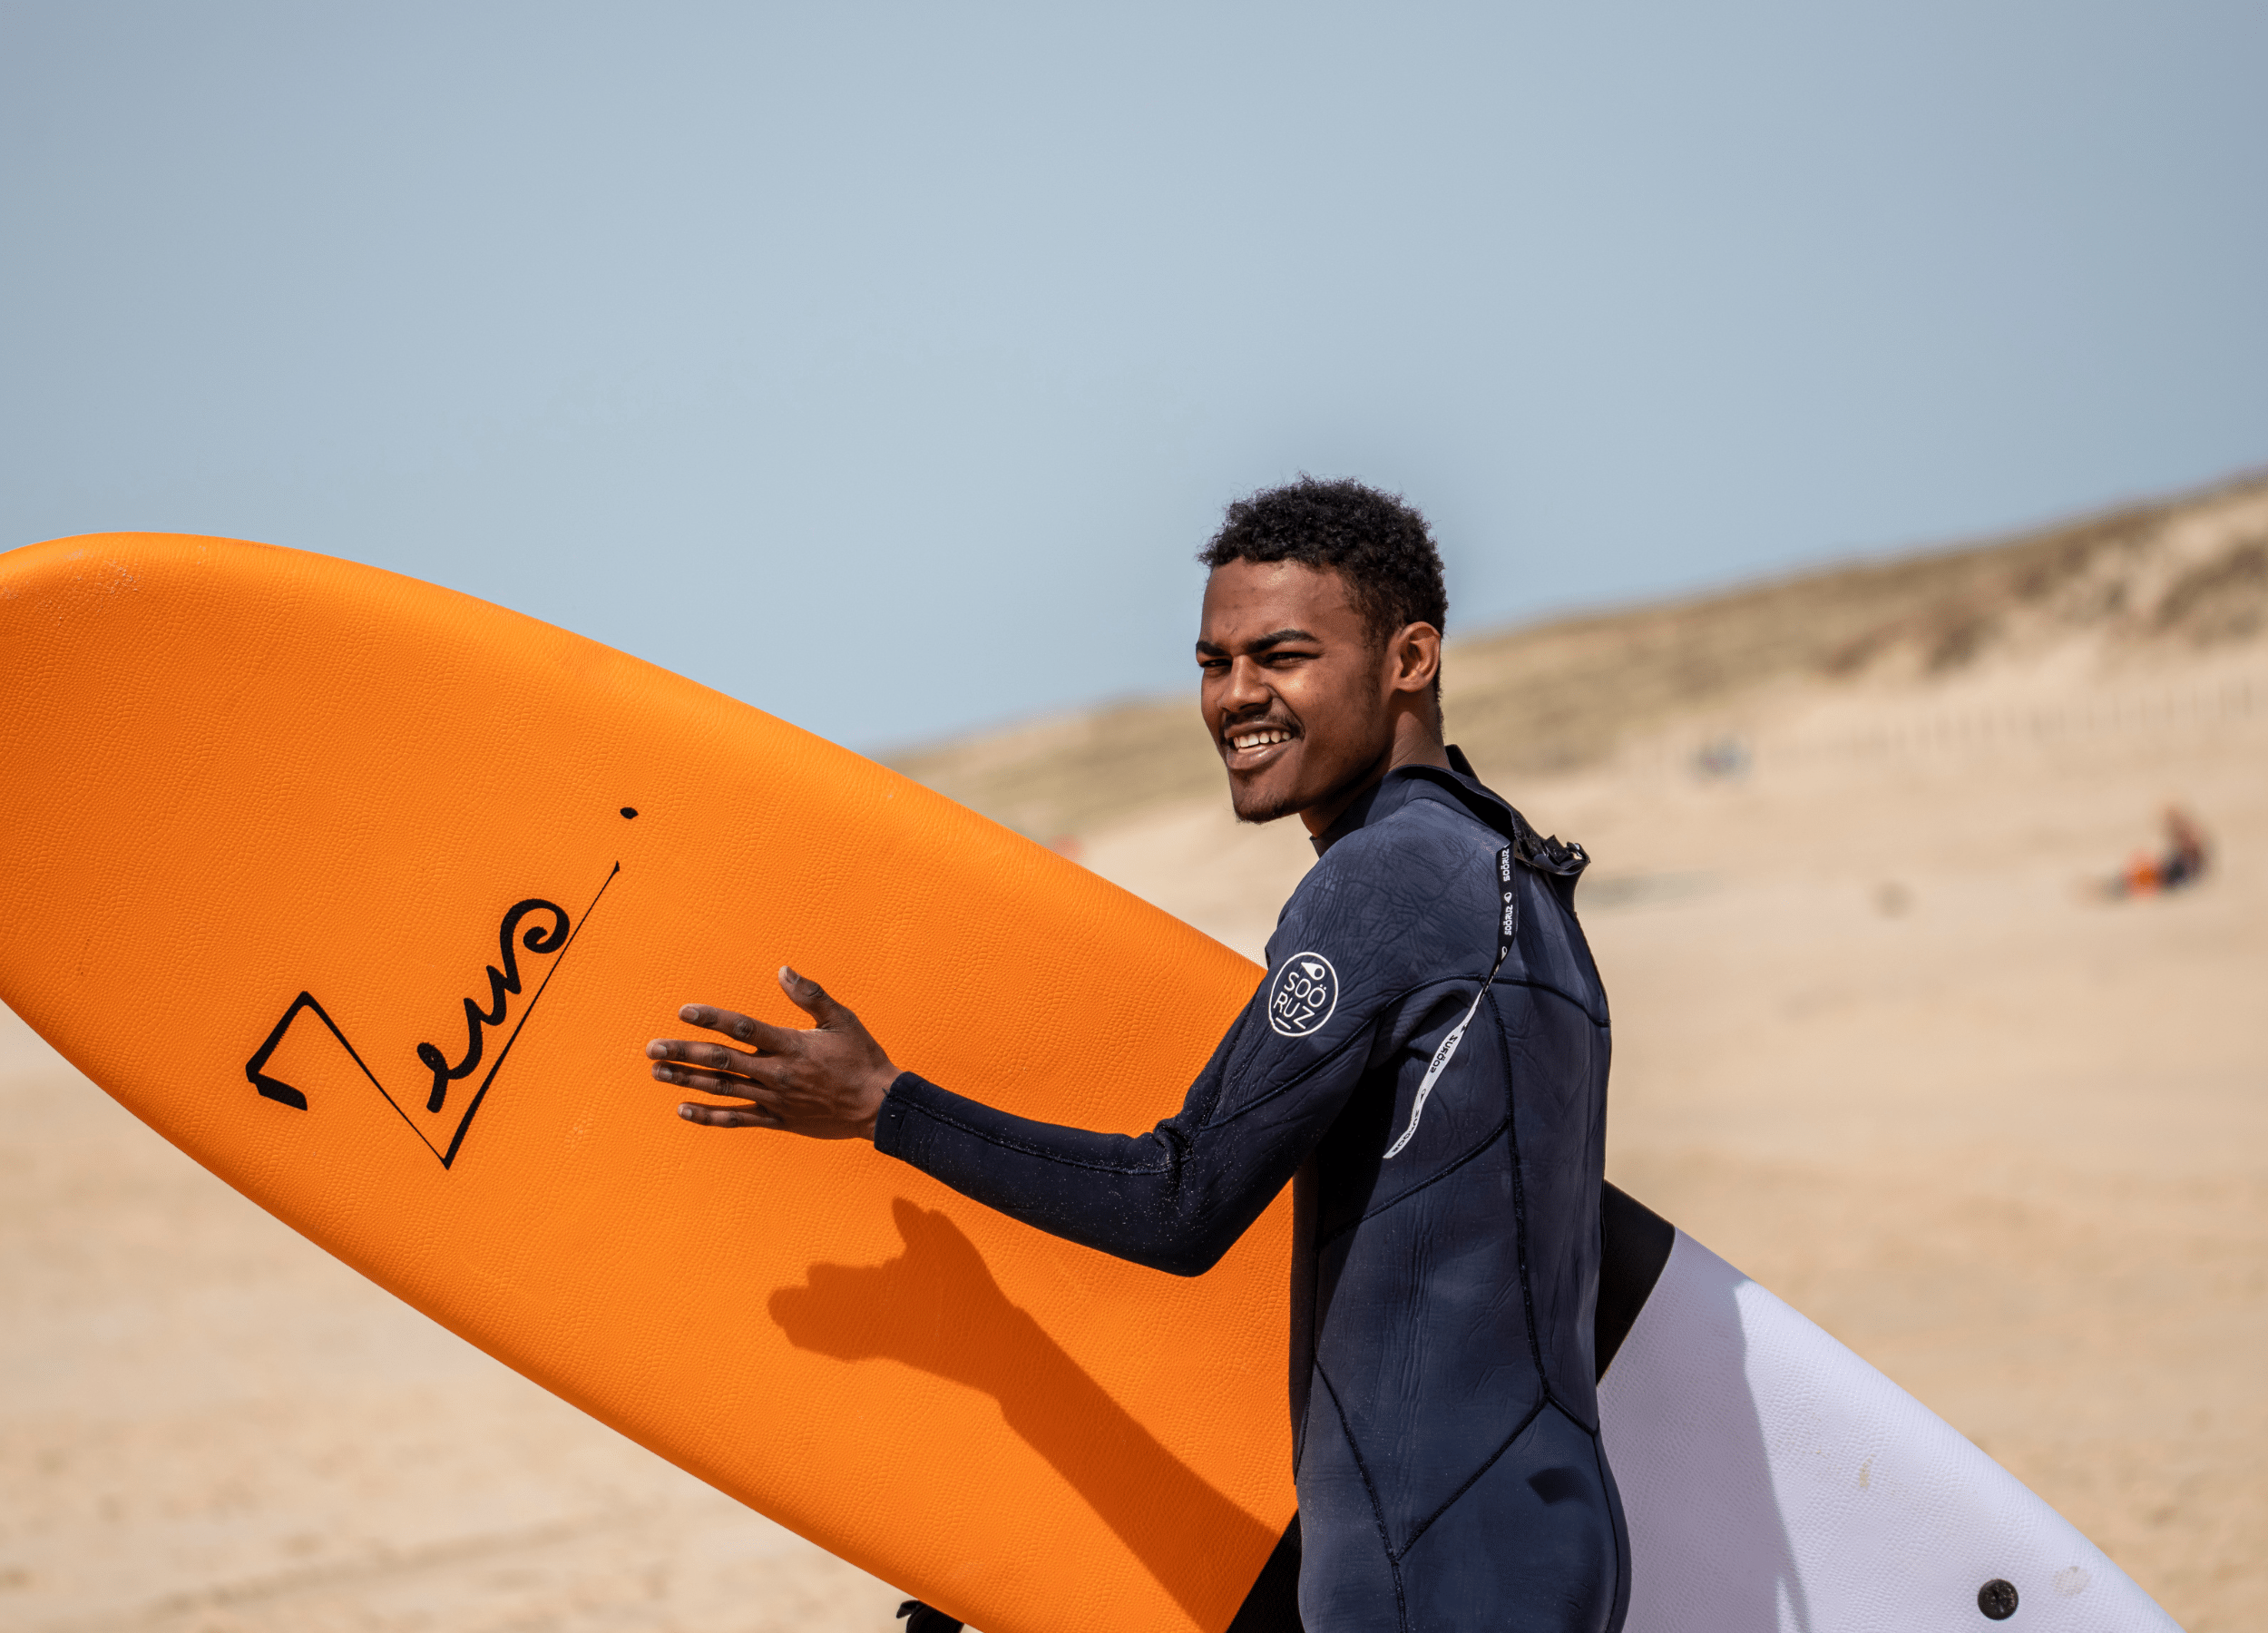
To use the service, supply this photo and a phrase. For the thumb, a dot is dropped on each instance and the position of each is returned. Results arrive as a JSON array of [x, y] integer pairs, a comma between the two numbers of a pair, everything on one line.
[[811, 998]]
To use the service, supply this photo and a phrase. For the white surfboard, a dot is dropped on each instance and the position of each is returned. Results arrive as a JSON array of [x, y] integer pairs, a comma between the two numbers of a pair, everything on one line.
[[1775, 1481]]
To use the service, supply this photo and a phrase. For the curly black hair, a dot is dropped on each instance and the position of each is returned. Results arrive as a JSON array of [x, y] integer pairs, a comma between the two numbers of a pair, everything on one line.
[[1379, 544]]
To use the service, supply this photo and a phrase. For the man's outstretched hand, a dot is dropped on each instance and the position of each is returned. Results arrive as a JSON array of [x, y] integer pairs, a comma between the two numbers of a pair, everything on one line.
[[828, 1082]]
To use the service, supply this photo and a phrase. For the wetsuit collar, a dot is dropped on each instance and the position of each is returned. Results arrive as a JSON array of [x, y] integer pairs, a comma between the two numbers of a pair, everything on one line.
[[1455, 784]]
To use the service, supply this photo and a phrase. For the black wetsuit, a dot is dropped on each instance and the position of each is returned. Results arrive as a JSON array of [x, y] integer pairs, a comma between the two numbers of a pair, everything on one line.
[[1445, 1423]]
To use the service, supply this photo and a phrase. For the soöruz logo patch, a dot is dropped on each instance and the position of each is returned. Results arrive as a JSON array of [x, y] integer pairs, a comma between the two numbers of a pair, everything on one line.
[[1302, 994]]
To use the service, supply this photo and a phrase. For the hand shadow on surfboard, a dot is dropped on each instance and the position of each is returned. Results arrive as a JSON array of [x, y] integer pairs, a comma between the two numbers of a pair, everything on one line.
[[936, 1306]]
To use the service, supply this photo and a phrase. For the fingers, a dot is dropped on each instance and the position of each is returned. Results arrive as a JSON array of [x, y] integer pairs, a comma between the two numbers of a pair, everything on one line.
[[706, 1057], [827, 1081], [760, 1035], [726, 1117], [811, 998], [707, 1082]]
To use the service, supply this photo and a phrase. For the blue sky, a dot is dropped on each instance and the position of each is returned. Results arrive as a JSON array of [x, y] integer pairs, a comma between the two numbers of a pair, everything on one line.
[[883, 363]]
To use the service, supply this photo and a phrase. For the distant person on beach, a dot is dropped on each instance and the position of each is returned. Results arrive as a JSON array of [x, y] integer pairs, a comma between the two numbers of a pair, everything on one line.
[[2181, 864], [1424, 1065]]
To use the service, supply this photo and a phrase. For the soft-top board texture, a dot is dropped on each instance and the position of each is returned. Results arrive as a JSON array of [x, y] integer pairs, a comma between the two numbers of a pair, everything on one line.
[[333, 878]]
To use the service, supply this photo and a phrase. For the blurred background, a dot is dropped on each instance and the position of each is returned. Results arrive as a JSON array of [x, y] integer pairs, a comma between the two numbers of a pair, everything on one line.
[[1836, 423]]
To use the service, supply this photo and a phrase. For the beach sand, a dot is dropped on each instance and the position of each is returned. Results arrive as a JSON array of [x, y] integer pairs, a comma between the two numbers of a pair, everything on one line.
[[1874, 1044], [1877, 1045]]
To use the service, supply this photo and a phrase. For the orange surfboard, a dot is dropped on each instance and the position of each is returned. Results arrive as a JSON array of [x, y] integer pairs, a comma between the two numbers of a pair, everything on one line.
[[368, 894]]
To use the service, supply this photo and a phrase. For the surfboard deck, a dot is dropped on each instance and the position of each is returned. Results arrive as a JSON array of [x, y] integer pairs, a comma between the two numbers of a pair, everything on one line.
[[278, 833], [367, 894]]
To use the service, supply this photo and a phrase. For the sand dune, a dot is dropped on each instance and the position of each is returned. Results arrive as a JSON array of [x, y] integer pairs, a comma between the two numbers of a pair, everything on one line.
[[2150, 586], [1874, 1043]]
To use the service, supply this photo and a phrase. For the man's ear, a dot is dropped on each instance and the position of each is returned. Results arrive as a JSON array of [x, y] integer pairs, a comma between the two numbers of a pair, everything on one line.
[[1415, 652]]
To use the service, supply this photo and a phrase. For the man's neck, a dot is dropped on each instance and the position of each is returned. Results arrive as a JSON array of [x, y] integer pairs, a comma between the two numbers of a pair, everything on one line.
[[1414, 743]]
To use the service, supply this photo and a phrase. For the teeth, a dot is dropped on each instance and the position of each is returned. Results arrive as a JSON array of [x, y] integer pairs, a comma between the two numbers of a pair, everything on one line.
[[1259, 739]]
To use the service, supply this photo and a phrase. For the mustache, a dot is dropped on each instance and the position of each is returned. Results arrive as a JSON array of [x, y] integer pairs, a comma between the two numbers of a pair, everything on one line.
[[1260, 723]]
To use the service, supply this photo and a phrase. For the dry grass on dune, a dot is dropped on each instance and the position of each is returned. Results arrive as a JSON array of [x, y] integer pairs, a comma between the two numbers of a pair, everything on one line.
[[2181, 575]]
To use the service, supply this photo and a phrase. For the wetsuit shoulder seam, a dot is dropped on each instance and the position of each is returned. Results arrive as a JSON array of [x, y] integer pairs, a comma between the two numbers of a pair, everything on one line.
[[1320, 1062], [1545, 986]]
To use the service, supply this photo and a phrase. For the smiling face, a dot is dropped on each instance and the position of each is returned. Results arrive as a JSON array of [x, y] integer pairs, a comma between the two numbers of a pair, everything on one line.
[[1307, 705]]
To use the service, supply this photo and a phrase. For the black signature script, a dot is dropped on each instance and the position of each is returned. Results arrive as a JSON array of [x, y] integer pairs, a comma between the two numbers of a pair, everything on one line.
[[551, 937], [500, 982]]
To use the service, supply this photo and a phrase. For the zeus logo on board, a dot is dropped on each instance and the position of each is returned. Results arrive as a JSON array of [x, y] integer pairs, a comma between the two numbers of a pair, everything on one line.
[[548, 935]]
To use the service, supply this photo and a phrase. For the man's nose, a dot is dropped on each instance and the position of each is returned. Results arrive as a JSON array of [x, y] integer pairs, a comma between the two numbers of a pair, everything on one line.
[[1247, 687]]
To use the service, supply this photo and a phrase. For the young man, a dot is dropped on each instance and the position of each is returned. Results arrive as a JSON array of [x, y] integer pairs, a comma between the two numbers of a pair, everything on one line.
[[1426, 1062]]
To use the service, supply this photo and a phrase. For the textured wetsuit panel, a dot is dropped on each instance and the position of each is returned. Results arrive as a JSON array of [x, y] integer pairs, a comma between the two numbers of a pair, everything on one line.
[[1444, 1416], [1522, 1551]]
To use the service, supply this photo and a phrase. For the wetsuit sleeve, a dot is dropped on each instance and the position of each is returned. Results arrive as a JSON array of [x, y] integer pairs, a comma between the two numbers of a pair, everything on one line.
[[1178, 1198]]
